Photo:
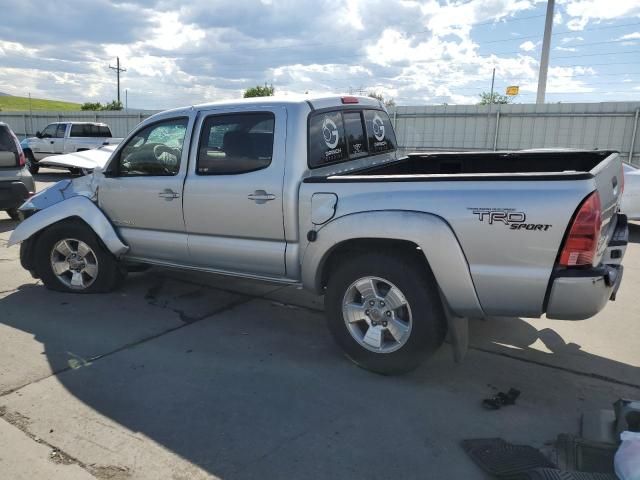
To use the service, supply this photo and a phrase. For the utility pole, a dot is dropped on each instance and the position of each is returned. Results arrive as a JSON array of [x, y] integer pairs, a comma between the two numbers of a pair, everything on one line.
[[493, 79], [544, 58], [118, 69]]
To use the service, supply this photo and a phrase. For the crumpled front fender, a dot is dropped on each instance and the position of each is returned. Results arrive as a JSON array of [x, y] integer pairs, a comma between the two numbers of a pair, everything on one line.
[[78, 206]]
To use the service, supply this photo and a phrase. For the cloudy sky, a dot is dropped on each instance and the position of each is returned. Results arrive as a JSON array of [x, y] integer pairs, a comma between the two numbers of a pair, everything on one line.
[[418, 52]]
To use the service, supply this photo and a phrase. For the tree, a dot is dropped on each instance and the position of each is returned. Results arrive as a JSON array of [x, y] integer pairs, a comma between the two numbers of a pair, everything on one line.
[[113, 105], [259, 91], [389, 102], [91, 106], [486, 99]]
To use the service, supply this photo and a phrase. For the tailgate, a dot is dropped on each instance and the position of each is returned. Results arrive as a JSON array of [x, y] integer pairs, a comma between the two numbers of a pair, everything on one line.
[[609, 182]]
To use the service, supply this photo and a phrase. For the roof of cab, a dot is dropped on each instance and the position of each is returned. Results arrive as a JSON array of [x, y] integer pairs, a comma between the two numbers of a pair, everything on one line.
[[314, 102]]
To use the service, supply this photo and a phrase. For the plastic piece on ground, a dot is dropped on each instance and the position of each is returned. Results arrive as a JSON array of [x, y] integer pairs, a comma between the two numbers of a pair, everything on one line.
[[627, 459]]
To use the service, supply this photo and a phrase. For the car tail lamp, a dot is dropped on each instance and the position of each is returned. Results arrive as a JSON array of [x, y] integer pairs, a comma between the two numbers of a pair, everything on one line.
[[580, 246], [21, 158], [347, 100]]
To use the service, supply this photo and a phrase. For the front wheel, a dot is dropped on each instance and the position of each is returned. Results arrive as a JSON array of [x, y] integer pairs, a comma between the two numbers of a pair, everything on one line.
[[31, 163], [13, 214], [385, 312], [69, 258]]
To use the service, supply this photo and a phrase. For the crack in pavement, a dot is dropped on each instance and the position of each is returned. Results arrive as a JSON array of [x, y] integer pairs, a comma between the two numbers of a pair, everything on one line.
[[59, 456], [596, 376]]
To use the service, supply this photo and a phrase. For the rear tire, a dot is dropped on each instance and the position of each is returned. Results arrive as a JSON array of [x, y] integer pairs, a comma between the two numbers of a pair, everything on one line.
[[13, 214], [31, 163], [70, 258], [385, 312]]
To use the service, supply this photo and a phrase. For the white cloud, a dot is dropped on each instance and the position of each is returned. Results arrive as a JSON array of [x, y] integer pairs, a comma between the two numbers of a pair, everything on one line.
[[584, 11], [528, 46], [566, 49], [630, 36]]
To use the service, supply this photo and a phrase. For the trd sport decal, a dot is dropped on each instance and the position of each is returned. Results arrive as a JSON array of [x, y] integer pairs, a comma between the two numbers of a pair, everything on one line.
[[507, 216]]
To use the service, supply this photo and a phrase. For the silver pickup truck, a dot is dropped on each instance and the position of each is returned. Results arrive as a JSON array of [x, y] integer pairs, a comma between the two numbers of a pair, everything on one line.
[[312, 192]]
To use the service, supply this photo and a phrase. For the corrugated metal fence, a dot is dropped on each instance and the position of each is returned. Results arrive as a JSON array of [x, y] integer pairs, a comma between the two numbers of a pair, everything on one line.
[[612, 125], [27, 124], [604, 126]]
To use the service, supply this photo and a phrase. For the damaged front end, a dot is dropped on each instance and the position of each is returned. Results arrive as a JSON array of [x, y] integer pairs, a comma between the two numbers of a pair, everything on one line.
[[86, 186], [68, 199]]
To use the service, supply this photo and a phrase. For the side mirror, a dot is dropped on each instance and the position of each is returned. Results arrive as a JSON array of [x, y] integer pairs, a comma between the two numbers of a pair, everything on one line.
[[38, 134]]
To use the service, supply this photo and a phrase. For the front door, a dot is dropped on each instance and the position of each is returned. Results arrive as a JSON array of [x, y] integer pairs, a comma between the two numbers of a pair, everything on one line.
[[44, 145], [142, 191], [57, 143], [233, 193]]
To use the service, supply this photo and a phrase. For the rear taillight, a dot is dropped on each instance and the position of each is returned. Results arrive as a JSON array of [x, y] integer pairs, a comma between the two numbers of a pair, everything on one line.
[[582, 241], [622, 179], [21, 159]]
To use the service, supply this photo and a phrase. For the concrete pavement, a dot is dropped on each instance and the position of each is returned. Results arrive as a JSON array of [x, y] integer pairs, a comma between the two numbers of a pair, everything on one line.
[[181, 375]]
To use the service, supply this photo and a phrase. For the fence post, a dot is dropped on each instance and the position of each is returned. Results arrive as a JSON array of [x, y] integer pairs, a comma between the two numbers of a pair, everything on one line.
[[633, 135], [495, 138]]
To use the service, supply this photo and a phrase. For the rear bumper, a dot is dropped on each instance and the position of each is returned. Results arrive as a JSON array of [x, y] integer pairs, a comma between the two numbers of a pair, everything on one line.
[[577, 294], [13, 194]]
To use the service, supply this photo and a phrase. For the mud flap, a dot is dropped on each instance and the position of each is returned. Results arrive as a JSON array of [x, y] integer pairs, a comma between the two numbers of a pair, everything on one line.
[[458, 333]]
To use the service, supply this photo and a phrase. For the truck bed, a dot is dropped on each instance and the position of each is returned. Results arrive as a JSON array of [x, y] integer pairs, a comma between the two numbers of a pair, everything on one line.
[[542, 165]]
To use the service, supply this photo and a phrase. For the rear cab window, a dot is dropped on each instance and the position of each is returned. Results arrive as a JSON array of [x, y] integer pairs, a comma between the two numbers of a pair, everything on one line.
[[341, 135]]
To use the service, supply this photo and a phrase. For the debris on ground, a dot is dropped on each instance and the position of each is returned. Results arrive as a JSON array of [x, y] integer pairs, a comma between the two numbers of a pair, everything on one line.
[[501, 399]]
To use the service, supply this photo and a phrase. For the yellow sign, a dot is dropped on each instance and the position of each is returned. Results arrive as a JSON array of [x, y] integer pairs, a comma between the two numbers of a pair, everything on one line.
[[513, 90]]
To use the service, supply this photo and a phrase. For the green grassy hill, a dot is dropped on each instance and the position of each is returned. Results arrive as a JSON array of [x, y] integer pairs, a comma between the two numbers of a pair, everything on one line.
[[9, 104]]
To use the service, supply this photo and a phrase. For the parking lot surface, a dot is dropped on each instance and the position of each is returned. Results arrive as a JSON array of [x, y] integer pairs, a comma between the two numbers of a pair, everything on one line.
[[180, 375]]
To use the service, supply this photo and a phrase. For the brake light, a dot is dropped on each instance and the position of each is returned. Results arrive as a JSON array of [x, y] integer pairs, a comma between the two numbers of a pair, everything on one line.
[[581, 244], [350, 100], [21, 158]]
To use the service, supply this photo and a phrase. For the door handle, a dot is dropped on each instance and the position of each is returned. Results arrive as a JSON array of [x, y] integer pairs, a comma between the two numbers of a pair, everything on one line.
[[168, 194], [260, 197], [51, 142]]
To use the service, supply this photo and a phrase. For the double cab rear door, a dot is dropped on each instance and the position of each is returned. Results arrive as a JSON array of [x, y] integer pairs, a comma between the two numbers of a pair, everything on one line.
[[203, 189]]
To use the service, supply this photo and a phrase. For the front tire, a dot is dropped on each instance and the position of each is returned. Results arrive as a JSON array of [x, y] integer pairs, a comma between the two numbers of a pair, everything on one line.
[[31, 163], [13, 214], [70, 258], [385, 312]]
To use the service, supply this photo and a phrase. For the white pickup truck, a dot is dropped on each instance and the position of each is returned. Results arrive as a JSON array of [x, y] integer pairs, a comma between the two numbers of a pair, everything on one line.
[[65, 137], [312, 192]]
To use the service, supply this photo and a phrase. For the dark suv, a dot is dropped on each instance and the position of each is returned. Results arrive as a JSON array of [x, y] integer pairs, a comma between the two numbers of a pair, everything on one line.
[[16, 183]]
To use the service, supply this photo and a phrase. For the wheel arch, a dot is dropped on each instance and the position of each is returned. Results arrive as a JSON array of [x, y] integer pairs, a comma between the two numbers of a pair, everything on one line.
[[426, 236], [80, 208]]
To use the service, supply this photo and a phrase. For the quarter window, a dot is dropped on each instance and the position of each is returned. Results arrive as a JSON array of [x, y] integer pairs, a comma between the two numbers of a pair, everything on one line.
[[155, 150], [235, 143]]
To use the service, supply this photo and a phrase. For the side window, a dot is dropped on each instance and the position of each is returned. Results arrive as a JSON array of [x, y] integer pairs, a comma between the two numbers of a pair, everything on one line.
[[49, 131], [327, 142], [354, 129], [78, 130], [235, 143], [103, 131], [60, 131], [155, 150], [380, 130]]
